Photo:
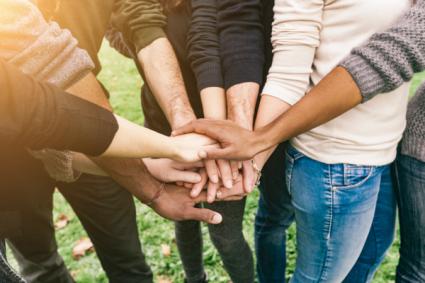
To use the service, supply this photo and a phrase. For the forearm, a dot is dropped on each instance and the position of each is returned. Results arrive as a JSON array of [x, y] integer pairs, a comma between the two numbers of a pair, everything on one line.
[[89, 88], [333, 96], [134, 141], [163, 75], [270, 108], [214, 103], [131, 174], [82, 163], [241, 101]]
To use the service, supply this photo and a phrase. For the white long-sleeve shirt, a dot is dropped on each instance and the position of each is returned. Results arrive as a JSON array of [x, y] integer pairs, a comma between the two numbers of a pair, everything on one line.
[[310, 37]]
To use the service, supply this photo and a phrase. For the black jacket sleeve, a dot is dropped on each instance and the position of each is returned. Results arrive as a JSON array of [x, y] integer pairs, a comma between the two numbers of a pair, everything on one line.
[[241, 41], [38, 116], [203, 44]]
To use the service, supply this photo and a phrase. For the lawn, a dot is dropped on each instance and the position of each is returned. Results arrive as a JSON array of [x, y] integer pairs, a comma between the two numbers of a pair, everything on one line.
[[122, 80]]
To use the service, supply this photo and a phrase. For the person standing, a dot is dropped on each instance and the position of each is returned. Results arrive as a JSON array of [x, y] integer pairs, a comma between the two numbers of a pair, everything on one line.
[[92, 197]]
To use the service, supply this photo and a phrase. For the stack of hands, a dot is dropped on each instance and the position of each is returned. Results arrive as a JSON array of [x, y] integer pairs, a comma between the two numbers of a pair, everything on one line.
[[219, 179]]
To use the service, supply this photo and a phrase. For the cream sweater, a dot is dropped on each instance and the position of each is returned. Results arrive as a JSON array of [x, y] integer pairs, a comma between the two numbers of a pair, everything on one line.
[[310, 38]]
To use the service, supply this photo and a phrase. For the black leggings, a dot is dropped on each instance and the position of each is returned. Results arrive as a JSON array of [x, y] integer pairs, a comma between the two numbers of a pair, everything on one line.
[[227, 237]]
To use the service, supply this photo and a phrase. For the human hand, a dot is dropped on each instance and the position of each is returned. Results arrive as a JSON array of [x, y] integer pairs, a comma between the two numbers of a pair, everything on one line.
[[175, 203], [188, 145], [170, 171], [242, 185], [236, 142]]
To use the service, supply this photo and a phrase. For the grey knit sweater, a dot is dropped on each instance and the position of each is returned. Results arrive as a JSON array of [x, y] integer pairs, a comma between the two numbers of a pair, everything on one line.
[[389, 59]]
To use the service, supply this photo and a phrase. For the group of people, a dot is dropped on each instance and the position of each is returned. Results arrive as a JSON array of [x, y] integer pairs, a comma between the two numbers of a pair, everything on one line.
[[306, 99]]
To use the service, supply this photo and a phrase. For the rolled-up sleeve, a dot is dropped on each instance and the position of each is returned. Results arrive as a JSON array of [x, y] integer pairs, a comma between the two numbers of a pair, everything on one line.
[[38, 48], [140, 21], [39, 115], [203, 44], [295, 37]]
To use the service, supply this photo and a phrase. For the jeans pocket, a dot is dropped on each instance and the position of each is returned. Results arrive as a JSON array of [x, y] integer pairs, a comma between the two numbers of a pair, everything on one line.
[[353, 176]]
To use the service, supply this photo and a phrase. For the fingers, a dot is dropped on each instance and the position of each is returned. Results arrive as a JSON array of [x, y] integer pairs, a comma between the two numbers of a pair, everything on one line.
[[188, 165], [199, 126], [204, 215], [198, 187], [212, 191], [225, 173], [212, 170], [226, 153], [188, 185], [186, 129], [248, 176], [210, 128], [235, 169], [236, 191], [184, 176]]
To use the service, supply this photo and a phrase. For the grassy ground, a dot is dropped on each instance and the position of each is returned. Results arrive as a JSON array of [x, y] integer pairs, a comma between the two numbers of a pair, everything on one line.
[[121, 78]]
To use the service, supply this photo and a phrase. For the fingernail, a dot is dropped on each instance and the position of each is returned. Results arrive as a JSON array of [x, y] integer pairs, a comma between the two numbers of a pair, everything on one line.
[[197, 179], [219, 194], [217, 219], [235, 175], [203, 154], [228, 184], [214, 179]]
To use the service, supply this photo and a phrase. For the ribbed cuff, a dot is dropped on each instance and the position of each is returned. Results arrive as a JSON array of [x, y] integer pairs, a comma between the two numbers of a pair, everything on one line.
[[144, 37], [366, 77], [243, 71], [209, 75]]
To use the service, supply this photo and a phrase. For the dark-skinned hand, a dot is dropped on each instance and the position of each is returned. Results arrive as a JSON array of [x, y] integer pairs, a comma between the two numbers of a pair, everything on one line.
[[236, 142]]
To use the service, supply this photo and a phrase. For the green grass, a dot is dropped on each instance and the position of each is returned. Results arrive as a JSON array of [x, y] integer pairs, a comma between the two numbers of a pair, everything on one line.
[[122, 80]]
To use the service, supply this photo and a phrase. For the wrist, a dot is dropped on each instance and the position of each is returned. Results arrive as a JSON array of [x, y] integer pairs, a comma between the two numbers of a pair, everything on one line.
[[241, 102], [262, 140], [242, 114], [214, 103], [175, 148], [181, 119]]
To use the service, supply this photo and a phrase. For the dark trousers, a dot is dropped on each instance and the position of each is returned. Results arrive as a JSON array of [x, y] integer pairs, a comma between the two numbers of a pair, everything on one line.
[[411, 202], [106, 211], [227, 237]]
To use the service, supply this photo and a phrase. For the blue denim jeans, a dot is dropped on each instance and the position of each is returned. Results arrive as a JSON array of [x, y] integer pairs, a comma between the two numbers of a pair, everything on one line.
[[274, 215], [411, 200], [334, 207]]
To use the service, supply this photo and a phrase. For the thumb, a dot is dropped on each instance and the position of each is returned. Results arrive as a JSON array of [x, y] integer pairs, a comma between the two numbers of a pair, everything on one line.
[[186, 129], [204, 215]]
